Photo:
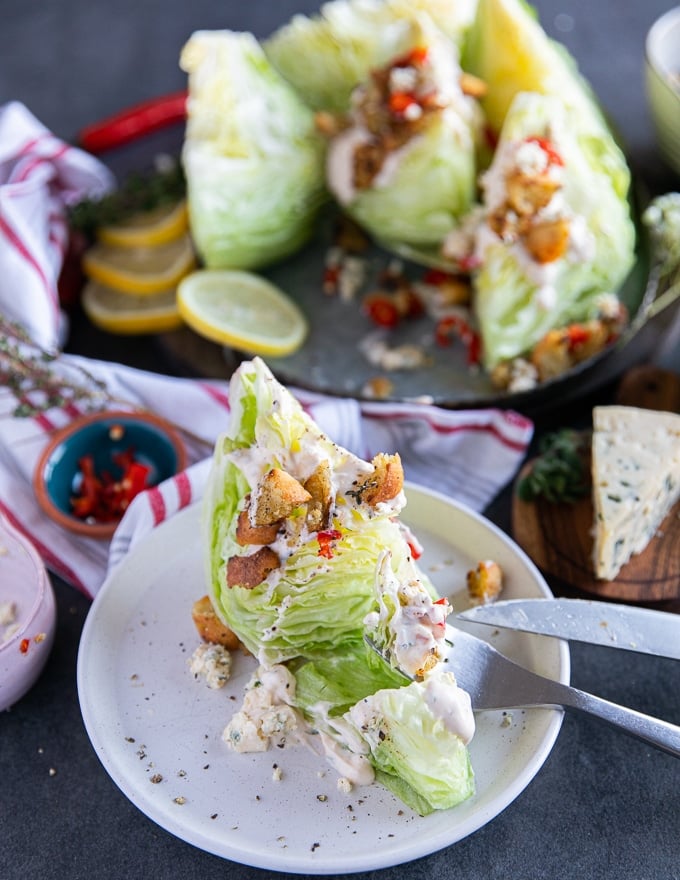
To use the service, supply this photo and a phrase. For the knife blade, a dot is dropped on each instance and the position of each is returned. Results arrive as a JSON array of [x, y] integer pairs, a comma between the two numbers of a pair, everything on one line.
[[583, 620]]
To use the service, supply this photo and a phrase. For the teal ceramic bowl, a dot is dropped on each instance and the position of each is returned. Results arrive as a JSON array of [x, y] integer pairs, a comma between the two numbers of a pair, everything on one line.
[[662, 78], [104, 437]]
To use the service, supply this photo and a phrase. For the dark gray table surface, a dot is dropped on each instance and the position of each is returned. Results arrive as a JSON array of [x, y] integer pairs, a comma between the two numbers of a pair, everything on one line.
[[603, 805]]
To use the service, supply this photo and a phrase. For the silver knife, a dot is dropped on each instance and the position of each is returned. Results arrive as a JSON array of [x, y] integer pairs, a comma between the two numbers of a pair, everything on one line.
[[582, 620]]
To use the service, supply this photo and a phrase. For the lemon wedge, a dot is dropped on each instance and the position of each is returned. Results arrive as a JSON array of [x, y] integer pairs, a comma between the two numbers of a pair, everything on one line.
[[140, 270], [126, 314], [148, 229], [241, 310]]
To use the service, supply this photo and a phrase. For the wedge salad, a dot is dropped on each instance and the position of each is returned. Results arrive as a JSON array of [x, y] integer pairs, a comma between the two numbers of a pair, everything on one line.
[[305, 556], [458, 135]]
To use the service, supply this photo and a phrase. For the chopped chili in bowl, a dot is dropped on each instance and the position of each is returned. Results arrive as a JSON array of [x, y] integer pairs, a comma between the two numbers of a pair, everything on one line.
[[102, 497]]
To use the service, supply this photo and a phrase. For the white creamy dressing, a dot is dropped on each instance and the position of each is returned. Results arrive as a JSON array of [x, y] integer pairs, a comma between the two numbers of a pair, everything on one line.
[[415, 624], [451, 704], [460, 113], [267, 718], [527, 158]]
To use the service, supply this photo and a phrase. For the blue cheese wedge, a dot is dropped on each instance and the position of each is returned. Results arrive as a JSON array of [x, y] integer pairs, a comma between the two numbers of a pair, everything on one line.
[[636, 481]]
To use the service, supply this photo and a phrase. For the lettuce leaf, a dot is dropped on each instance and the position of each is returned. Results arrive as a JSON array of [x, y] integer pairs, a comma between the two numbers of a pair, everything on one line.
[[414, 752], [432, 184], [252, 158], [509, 286], [325, 56], [356, 699], [313, 604]]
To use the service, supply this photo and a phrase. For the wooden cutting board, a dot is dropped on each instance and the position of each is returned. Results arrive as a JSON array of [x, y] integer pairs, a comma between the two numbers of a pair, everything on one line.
[[558, 536]]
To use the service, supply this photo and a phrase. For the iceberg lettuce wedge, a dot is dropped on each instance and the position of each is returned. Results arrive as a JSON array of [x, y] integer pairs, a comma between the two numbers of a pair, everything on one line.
[[519, 297], [252, 158], [404, 164], [326, 55], [317, 598], [364, 710], [418, 746]]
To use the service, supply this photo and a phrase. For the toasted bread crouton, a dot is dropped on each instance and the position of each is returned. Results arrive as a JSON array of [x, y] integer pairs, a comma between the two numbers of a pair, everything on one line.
[[277, 496], [318, 484], [429, 662], [527, 194], [249, 571], [485, 582], [246, 533], [472, 85], [384, 484], [548, 240], [210, 627]]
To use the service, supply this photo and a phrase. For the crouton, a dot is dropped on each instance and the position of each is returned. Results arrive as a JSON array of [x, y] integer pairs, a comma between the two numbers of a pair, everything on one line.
[[548, 240], [430, 661], [277, 496], [384, 484], [246, 533], [318, 484], [472, 85], [249, 571], [527, 194], [485, 582], [210, 627]]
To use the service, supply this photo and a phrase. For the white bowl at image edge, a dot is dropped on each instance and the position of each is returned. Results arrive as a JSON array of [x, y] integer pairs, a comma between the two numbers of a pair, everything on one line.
[[662, 64], [26, 643]]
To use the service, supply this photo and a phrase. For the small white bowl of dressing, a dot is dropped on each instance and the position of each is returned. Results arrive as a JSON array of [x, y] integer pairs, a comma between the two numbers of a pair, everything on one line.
[[662, 80], [27, 614]]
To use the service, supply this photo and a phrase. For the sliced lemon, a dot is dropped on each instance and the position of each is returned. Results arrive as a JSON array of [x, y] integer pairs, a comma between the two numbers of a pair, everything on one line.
[[129, 315], [241, 310], [148, 229], [140, 270]]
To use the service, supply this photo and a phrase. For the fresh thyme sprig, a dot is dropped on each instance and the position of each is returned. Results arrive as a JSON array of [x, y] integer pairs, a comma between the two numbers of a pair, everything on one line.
[[138, 193], [560, 472], [28, 373]]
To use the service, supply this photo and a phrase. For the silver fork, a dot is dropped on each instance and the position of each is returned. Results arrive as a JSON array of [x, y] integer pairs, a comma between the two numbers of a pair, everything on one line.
[[496, 682]]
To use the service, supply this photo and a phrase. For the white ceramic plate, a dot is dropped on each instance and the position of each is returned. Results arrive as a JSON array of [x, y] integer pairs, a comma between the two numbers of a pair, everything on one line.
[[147, 717]]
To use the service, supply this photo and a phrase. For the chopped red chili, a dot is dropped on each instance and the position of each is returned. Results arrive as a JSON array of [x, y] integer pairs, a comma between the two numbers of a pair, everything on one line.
[[23, 645], [400, 102], [548, 147], [326, 541], [577, 335], [416, 552], [104, 498], [452, 325], [381, 309]]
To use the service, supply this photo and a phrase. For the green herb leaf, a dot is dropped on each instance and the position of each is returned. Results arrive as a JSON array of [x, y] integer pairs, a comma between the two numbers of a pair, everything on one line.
[[559, 473], [139, 192]]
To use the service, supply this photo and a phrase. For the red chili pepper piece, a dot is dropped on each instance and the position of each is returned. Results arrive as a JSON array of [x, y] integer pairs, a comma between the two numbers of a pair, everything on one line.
[[399, 102], [381, 309], [134, 122], [23, 645], [326, 540], [577, 335], [104, 498], [415, 56], [548, 147], [416, 552]]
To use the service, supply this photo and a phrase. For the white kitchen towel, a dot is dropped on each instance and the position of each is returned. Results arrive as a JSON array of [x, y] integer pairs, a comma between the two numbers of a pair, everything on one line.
[[40, 177], [469, 455]]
